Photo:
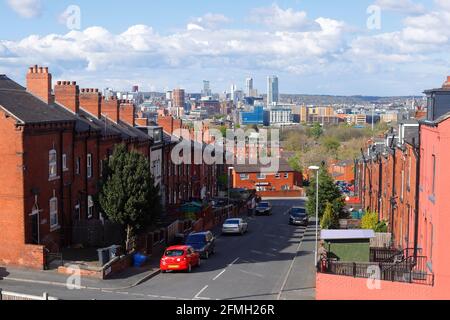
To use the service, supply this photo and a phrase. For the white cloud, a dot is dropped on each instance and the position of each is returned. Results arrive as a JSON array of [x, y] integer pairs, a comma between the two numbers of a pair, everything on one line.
[[26, 8], [404, 6], [277, 18], [209, 21]]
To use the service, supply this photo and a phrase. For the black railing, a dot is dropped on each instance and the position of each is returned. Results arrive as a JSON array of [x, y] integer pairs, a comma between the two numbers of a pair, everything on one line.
[[408, 271]]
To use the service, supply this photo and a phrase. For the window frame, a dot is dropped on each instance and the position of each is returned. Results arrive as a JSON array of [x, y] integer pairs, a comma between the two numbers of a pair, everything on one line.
[[53, 213], [52, 164]]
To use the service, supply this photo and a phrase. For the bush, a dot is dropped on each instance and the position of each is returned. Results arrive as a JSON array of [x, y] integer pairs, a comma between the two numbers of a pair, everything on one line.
[[330, 220], [370, 222]]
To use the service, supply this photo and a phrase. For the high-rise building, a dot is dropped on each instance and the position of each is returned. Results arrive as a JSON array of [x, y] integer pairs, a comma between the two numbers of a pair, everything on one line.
[[178, 97], [249, 87], [272, 90], [233, 93], [206, 92]]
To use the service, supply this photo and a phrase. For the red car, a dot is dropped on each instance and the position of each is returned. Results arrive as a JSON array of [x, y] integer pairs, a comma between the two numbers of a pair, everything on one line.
[[179, 258]]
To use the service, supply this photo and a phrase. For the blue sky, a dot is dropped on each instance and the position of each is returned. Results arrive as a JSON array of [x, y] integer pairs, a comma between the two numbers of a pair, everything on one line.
[[315, 47]]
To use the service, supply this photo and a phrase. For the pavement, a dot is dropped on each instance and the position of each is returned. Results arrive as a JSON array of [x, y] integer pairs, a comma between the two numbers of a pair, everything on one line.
[[274, 261]]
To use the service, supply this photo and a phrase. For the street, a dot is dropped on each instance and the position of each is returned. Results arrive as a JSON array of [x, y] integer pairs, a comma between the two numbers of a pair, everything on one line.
[[273, 261]]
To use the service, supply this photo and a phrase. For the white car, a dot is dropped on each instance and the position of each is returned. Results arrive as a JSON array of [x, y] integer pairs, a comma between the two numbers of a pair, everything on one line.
[[235, 226]]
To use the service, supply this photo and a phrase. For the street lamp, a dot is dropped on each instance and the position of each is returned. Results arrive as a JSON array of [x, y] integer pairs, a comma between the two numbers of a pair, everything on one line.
[[230, 170], [316, 169]]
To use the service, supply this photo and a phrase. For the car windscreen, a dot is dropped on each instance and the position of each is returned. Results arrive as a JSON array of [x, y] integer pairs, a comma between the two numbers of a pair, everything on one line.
[[196, 238], [232, 222], [174, 253], [298, 212]]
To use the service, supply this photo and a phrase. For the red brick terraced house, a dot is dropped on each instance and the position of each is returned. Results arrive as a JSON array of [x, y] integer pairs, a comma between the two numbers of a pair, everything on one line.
[[52, 144], [406, 182]]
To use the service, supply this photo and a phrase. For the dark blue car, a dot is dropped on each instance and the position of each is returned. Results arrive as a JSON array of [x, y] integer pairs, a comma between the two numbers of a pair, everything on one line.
[[203, 242]]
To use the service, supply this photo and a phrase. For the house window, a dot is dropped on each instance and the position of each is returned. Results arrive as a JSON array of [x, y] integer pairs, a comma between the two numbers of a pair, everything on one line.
[[90, 207], [244, 176], [286, 175], [409, 171], [261, 176], [77, 166], [52, 164], [286, 188], [64, 162], [277, 176], [89, 166], [53, 213]]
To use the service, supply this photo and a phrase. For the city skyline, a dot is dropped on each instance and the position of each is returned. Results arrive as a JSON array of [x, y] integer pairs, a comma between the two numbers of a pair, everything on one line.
[[309, 45]]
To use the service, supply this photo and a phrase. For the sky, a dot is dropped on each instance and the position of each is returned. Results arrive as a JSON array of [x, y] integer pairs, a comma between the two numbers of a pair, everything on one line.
[[348, 47]]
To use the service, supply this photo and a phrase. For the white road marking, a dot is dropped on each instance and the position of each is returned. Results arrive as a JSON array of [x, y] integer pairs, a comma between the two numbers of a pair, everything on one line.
[[252, 273], [217, 277], [236, 260], [197, 296]]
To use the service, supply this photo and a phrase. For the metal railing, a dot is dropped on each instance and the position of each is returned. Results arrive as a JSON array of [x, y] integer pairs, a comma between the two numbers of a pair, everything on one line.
[[412, 270], [6, 295]]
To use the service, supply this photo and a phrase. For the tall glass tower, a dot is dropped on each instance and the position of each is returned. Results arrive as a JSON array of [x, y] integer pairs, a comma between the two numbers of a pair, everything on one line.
[[272, 90]]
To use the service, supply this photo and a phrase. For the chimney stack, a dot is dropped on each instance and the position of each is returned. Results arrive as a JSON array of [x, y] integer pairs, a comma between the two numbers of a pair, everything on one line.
[[127, 112], [91, 100], [110, 109], [67, 93], [39, 83], [446, 84]]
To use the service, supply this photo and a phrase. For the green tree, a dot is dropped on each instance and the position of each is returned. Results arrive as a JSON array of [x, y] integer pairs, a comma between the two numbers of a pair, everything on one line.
[[316, 131], [223, 130], [127, 192], [331, 144], [329, 220], [328, 193], [294, 162]]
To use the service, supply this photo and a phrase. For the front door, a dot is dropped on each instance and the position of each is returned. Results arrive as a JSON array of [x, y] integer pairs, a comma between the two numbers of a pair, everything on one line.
[[35, 228]]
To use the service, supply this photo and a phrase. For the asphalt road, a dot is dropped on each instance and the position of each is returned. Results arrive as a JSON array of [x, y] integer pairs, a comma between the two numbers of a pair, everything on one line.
[[272, 261]]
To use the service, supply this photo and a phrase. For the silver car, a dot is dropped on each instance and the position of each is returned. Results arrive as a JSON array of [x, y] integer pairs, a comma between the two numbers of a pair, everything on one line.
[[235, 226]]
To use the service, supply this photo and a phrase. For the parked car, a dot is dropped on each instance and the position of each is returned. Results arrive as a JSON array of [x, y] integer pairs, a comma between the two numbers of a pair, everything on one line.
[[237, 226], [179, 258], [299, 217], [264, 208], [204, 243]]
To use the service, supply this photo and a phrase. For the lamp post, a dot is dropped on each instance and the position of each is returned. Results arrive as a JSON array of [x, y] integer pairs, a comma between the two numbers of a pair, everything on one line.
[[316, 169]]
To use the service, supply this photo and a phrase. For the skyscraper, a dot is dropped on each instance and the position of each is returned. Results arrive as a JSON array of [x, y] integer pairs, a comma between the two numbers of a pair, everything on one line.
[[249, 87], [206, 92], [272, 90]]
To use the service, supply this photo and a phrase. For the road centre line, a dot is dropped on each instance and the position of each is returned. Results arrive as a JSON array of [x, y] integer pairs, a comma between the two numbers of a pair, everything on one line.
[[197, 296], [223, 271]]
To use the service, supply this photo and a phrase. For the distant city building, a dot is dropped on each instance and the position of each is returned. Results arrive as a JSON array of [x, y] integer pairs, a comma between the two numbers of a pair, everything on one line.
[[169, 95], [178, 97], [272, 90], [249, 87], [255, 117], [206, 92], [278, 117], [135, 89]]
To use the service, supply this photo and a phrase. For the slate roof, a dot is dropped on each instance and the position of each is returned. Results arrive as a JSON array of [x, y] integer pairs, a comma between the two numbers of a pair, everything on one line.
[[27, 108]]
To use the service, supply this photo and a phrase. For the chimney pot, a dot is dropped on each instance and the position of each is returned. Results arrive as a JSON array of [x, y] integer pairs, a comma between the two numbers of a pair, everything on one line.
[[74, 83], [35, 68], [46, 70], [30, 70]]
